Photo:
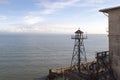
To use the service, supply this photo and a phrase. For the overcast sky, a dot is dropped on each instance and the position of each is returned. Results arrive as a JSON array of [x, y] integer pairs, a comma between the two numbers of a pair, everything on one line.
[[54, 16]]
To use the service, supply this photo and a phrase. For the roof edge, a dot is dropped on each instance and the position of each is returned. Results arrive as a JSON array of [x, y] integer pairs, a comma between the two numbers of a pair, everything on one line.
[[106, 10]]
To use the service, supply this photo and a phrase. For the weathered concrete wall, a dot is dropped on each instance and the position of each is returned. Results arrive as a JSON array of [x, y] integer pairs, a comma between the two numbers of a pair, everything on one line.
[[114, 41]]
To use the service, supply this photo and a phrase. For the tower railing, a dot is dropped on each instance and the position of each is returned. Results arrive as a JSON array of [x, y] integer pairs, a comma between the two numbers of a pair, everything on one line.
[[78, 37]]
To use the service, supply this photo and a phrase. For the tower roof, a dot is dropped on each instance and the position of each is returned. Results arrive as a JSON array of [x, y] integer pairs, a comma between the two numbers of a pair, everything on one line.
[[78, 32], [109, 9]]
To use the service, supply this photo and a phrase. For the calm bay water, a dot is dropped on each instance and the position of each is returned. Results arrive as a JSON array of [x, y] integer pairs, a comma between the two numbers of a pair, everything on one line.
[[30, 56]]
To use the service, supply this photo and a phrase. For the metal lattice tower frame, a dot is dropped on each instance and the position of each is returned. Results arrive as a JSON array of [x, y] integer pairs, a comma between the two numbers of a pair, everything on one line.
[[79, 54]]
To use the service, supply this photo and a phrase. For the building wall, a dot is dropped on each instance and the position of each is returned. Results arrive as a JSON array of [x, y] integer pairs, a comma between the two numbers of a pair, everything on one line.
[[114, 41]]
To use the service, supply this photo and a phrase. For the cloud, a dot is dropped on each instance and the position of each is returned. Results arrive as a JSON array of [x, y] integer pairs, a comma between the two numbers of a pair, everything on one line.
[[51, 7], [34, 23], [49, 28], [3, 17], [43, 28], [30, 20], [96, 1], [4, 1]]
